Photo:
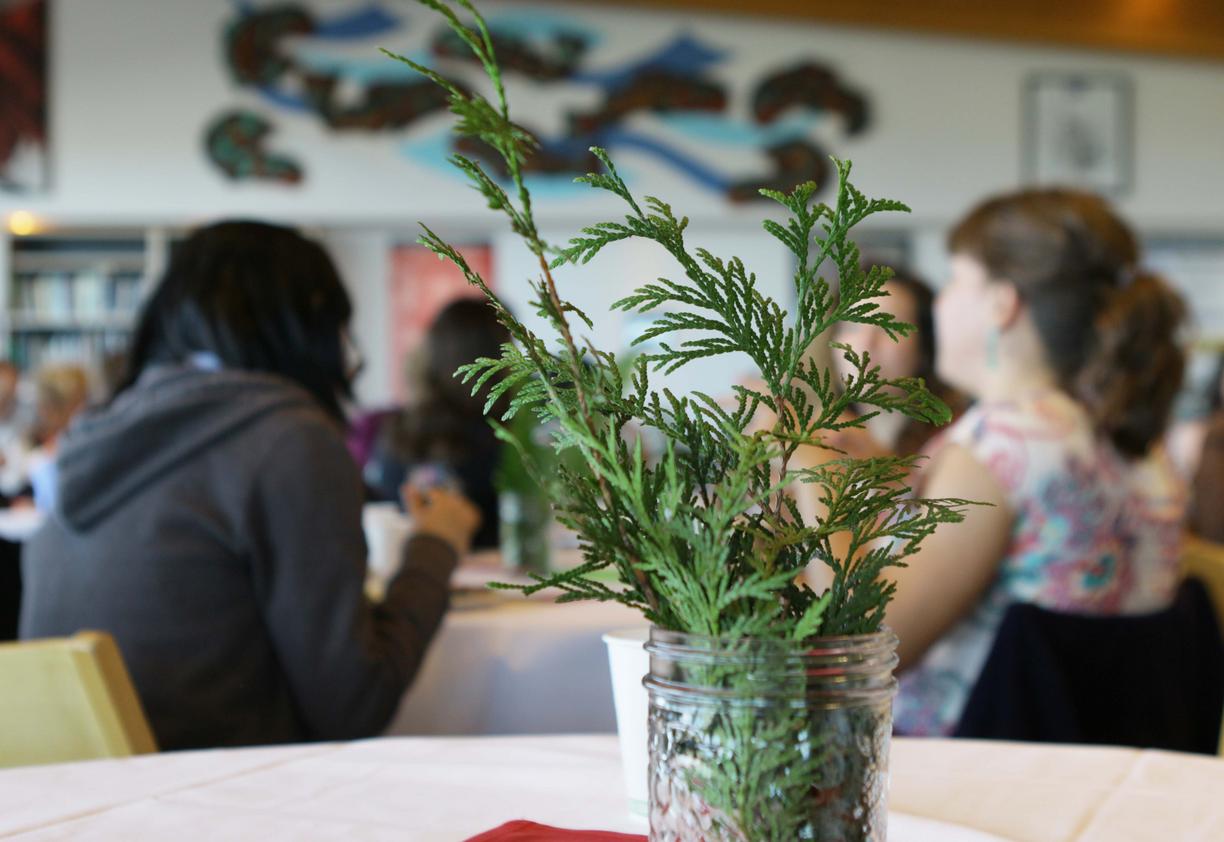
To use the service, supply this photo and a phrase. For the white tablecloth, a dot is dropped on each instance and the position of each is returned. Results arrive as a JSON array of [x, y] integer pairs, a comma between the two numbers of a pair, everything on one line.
[[444, 790], [503, 664]]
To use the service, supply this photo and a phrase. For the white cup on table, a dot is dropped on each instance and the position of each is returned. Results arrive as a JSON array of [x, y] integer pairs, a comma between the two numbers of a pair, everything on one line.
[[629, 662], [386, 530]]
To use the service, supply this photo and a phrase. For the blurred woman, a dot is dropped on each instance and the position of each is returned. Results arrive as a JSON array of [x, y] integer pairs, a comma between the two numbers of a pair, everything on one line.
[[61, 393], [209, 517], [16, 433], [443, 436], [1071, 354], [910, 300]]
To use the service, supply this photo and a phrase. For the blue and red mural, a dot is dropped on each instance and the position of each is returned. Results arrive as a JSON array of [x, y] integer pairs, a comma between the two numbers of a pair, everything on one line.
[[661, 104]]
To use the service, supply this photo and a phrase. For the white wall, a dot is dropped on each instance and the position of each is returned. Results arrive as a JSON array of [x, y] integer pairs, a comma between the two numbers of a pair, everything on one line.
[[135, 81], [363, 258], [625, 265]]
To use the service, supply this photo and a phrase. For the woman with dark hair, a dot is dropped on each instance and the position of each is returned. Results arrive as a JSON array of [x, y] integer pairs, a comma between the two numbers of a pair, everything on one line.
[[443, 436], [911, 300], [1072, 356], [209, 517]]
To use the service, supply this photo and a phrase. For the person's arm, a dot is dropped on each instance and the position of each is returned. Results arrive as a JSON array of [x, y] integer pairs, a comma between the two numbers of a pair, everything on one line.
[[347, 661], [956, 564], [855, 442]]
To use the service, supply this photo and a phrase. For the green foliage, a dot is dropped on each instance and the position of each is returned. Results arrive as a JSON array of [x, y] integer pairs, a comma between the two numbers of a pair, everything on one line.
[[705, 539]]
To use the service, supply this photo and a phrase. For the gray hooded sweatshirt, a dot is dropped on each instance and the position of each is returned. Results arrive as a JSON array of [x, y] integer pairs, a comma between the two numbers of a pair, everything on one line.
[[211, 522]]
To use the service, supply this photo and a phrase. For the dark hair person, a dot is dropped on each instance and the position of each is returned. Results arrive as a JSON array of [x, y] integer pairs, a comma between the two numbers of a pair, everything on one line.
[[1072, 354], [443, 431], [209, 517], [911, 300], [251, 297]]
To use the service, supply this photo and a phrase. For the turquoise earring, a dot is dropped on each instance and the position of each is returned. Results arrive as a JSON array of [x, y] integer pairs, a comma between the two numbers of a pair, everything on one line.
[[992, 349]]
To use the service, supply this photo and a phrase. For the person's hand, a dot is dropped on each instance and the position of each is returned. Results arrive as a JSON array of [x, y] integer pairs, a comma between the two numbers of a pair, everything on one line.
[[443, 514]]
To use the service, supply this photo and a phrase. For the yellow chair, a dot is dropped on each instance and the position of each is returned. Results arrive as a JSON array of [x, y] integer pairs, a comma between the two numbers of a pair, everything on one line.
[[1204, 560], [71, 698]]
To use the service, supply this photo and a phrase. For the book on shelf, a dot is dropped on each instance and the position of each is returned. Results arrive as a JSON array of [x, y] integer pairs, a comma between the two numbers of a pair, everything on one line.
[[33, 350], [89, 294], [72, 297], [124, 294], [80, 299]]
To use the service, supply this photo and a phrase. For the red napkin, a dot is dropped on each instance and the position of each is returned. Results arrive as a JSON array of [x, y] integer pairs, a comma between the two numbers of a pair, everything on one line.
[[525, 831]]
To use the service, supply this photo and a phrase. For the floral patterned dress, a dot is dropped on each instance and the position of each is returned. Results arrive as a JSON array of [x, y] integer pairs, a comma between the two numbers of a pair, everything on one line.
[[1094, 533]]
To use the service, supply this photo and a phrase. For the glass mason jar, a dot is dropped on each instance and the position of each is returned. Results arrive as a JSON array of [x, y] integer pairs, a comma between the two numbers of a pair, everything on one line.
[[755, 740], [524, 530]]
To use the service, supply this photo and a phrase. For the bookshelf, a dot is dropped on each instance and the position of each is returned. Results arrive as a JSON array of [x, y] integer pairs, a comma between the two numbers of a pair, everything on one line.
[[72, 295]]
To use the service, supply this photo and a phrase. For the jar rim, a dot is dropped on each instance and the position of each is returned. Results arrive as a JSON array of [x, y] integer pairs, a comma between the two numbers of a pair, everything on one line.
[[884, 637]]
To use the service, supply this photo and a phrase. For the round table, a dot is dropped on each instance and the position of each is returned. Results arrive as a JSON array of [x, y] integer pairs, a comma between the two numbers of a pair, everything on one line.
[[503, 664], [446, 789]]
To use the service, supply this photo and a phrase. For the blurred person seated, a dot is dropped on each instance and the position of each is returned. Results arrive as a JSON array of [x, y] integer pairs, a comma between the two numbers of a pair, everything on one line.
[[911, 300], [443, 436], [16, 432], [16, 439], [1071, 355], [62, 392], [209, 516]]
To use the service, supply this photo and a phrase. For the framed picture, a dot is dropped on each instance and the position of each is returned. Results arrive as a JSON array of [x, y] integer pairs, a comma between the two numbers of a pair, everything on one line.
[[1077, 131]]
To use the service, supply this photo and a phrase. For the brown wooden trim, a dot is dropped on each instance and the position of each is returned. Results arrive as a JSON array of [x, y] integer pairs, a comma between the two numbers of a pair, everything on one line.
[[1185, 28]]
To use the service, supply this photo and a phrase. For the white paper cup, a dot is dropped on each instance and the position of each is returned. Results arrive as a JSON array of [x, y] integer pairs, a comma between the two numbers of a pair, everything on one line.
[[629, 663], [386, 529]]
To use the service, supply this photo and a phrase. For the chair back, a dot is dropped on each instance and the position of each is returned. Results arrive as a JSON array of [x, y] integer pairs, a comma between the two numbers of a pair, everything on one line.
[[1204, 560], [1151, 681], [64, 699]]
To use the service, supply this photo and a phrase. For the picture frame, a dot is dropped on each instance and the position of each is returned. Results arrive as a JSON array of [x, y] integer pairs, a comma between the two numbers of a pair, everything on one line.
[[24, 90], [1078, 131]]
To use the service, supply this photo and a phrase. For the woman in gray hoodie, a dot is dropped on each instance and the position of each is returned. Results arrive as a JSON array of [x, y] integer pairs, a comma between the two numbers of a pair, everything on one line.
[[209, 517]]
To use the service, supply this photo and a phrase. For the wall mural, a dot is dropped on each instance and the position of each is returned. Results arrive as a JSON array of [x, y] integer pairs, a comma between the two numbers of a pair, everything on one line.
[[23, 96], [235, 142], [682, 87]]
